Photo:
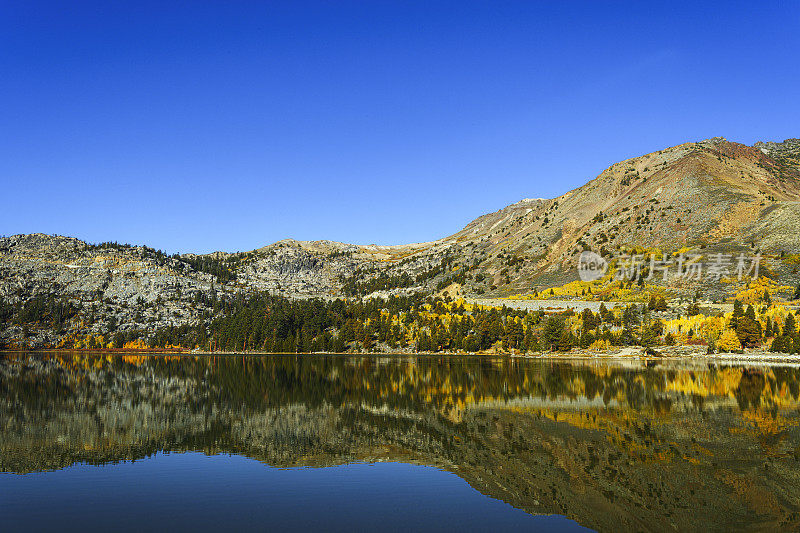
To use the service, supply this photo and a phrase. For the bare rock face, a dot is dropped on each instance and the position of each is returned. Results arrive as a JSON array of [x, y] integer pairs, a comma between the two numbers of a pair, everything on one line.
[[132, 286], [790, 148], [713, 195]]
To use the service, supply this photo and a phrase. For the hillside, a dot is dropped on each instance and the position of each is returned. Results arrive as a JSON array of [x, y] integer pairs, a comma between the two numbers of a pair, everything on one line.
[[715, 194], [708, 197]]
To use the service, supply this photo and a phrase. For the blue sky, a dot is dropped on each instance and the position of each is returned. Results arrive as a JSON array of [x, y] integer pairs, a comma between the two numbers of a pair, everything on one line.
[[201, 126]]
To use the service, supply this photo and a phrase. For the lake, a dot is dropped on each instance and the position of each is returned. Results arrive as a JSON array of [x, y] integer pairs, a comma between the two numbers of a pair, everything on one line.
[[391, 443]]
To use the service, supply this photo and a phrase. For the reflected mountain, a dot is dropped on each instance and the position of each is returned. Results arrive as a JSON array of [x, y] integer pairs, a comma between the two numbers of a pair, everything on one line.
[[683, 446]]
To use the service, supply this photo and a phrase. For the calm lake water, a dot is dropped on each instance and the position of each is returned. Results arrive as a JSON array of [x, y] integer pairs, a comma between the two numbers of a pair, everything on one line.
[[395, 443]]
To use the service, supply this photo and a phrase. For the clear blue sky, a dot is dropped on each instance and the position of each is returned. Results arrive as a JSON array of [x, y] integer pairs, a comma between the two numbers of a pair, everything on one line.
[[198, 126]]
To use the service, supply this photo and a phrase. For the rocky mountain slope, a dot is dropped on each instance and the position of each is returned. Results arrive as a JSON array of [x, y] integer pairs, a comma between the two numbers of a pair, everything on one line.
[[692, 195], [714, 195]]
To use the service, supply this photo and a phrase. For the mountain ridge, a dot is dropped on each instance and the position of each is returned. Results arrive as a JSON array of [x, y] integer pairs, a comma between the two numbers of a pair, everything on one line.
[[712, 196]]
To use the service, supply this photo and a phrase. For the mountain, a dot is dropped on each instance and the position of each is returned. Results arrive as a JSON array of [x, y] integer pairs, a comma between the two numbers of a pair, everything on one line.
[[694, 194], [704, 194], [712, 196]]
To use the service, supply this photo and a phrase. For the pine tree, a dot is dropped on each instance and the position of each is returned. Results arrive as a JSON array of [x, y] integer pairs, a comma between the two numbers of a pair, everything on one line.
[[553, 329], [604, 313], [590, 320], [778, 345], [749, 331], [738, 311], [630, 316], [586, 339], [566, 342], [789, 326], [514, 335]]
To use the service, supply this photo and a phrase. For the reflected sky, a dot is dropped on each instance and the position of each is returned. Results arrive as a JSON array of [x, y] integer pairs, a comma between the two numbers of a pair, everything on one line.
[[192, 491]]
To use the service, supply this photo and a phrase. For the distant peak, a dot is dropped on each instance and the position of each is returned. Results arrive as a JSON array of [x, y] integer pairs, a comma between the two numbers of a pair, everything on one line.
[[787, 146], [714, 140], [529, 201]]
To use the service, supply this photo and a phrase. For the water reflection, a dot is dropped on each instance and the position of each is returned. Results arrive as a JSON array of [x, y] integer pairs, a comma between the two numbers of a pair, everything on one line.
[[611, 445]]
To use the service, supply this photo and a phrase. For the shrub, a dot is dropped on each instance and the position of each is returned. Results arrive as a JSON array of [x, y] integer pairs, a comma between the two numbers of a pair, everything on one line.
[[729, 341]]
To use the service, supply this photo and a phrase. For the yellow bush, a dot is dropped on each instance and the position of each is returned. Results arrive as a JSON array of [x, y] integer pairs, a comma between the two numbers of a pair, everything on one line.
[[711, 328], [138, 344], [600, 345], [89, 342], [752, 291], [729, 342]]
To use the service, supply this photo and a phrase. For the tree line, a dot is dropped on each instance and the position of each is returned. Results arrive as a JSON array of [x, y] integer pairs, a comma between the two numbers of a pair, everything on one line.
[[268, 323]]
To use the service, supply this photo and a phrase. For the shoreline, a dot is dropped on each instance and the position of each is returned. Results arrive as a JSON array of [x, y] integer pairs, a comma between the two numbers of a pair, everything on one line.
[[622, 355]]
